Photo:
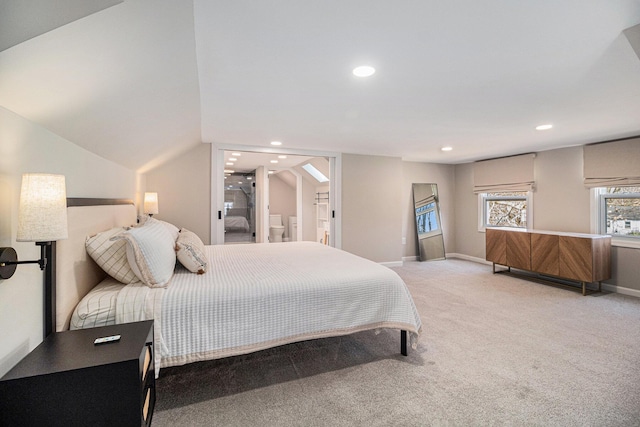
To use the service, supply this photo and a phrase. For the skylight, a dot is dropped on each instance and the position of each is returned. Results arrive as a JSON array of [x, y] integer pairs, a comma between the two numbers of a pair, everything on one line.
[[319, 176]]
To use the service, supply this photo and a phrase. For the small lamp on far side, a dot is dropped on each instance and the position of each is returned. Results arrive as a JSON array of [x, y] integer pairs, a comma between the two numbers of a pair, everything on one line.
[[150, 203]]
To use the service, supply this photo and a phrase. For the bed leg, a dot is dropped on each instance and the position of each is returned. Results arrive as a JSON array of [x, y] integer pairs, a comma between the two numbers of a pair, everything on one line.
[[403, 343]]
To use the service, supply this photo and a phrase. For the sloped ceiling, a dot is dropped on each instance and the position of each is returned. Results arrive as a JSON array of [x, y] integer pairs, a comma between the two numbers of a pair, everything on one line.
[[23, 20], [143, 80], [122, 83]]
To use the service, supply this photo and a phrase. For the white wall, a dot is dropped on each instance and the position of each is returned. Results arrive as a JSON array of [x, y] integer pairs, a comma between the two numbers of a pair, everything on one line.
[[372, 207], [27, 147], [183, 185], [561, 201], [469, 241]]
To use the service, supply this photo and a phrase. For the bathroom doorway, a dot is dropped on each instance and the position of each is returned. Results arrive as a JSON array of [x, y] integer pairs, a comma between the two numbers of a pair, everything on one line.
[[240, 207], [281, 198]]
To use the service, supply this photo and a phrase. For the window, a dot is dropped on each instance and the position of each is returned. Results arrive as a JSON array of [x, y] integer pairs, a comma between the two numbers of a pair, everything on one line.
[[619, 213], [426, 218], [319, 176], [505, 209]]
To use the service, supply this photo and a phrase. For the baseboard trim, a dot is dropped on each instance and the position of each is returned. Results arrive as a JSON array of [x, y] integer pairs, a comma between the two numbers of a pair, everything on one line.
[[450, 255], [391, 263], [468, 258], [621, 290]]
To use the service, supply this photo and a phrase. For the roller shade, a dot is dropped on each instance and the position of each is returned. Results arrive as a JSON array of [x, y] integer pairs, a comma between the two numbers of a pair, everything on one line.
[[612, 164], [505, 174]]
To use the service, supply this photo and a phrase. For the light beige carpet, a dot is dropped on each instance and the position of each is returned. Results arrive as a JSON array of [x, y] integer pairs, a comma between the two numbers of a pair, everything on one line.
[[495, 350]]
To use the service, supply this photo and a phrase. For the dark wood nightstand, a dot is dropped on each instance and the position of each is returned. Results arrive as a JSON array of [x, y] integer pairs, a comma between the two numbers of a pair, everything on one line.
[[69, 381]]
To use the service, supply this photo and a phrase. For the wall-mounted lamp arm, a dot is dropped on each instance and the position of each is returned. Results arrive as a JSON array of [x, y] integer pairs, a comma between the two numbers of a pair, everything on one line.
[[42, 263], [9, 260]]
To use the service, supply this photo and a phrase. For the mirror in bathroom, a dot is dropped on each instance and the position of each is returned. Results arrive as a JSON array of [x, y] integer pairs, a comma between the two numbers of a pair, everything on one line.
[[428, 226]]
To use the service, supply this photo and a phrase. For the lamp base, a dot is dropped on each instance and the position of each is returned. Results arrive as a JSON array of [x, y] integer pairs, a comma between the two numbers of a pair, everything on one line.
[[7, 255]]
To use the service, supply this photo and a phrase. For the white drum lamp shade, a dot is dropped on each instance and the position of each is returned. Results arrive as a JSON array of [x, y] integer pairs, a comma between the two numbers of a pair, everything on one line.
[[151, 203], [42, 214]]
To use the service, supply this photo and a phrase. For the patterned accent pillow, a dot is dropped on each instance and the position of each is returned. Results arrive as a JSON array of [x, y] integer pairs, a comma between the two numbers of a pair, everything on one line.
[[111, 255], [98, 307], [150, 252], [190, 252]]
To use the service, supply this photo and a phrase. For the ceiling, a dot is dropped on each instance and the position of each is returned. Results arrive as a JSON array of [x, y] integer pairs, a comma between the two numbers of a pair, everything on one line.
[[144, 80], [249, 161], [245, 164]]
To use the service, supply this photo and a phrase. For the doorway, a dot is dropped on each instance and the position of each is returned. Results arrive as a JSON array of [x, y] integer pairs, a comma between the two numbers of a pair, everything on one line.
[[283, 173], [240, 207]]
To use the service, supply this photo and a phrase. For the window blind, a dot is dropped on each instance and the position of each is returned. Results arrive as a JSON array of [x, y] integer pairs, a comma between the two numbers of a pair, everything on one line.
[[504, 174], [612, 164]]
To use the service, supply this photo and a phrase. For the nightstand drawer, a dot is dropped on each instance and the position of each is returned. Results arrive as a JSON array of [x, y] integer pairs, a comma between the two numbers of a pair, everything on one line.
[[146, 363]]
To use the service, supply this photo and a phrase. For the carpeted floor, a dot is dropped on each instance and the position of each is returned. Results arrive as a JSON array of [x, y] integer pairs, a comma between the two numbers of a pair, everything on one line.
[[495, 350]]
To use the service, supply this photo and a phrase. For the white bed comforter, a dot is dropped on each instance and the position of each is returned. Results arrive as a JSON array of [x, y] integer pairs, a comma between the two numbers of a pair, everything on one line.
[[263, 295]]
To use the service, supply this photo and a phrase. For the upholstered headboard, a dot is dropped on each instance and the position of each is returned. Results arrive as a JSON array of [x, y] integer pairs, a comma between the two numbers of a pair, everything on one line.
[[76, 272]]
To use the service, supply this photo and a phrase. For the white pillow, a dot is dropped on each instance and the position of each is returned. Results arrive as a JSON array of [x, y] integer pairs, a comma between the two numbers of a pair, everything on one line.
[[190, 251], [144, 219], [98, 307], [172, 228], [150, 252], [110, 255]]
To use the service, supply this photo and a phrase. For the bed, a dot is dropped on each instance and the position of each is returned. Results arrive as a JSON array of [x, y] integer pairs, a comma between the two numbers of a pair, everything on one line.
[[235, 220], [236, 224], [251, 297]]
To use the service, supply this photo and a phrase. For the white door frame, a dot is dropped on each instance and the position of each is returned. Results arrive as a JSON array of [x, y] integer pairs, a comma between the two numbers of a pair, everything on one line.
[[217, 188]]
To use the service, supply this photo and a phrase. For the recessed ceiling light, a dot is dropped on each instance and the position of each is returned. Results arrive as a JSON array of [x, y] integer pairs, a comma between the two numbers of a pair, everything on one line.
[[225, 177], [271, 172], [447, 148], [228, 171], [232, 159], [364, 71], [544, 127], [282, 156], [274, 161], [276, 143], [236, 154], [249, 178], [239, 182], [229, 163]]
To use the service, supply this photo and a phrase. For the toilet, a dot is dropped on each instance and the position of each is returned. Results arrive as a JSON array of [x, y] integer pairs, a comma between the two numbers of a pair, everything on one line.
[[276, 229]]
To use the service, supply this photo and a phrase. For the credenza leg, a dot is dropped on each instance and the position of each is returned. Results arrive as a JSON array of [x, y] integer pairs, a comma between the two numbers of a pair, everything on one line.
[[494, 268], [599, 285], [584, 288]]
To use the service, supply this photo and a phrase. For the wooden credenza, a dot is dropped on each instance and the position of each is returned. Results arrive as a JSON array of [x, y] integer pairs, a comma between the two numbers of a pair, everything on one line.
[[583, 258]]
